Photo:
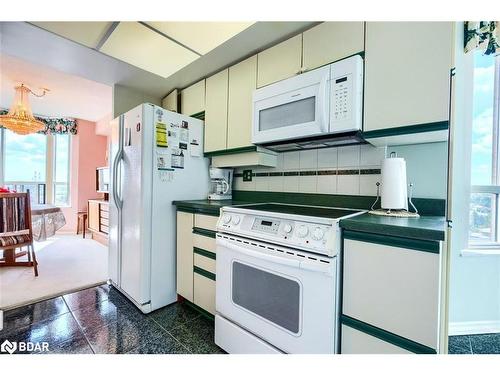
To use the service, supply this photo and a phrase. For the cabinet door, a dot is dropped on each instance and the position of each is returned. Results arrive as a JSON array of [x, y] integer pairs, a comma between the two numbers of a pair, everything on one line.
[[332, 41], [170, 101], [185, 255], [407, 73], [282, 61], [242, 83], [216, 112], [93, 216], [357, 342], [393, 288], [204, 293], [193, 99]]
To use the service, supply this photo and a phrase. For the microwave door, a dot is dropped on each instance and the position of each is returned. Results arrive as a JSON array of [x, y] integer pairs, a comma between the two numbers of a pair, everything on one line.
[[282, 112]]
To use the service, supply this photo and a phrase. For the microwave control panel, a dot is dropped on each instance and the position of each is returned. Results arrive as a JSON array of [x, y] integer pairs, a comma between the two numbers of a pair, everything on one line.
[[346, 84]]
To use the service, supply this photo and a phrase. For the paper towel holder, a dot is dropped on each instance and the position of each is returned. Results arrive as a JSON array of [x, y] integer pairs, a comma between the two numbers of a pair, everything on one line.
[[394, 212]]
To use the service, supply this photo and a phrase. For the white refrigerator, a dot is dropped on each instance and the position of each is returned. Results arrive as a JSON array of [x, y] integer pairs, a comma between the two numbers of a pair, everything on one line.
[[156, 157]]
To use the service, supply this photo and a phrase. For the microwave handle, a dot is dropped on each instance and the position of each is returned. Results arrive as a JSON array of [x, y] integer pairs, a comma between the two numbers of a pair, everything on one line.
[[324, 102], [258, 255]]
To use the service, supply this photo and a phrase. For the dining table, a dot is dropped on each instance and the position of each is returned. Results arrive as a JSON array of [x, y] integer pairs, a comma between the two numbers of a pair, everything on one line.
[[46, 219]]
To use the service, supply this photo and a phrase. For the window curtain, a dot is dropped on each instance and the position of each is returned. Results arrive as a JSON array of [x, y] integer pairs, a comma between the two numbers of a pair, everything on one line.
[[482, 35], [54, 125]]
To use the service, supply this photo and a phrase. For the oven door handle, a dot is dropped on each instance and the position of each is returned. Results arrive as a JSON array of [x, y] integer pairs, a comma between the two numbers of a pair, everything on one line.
[[256, 254]]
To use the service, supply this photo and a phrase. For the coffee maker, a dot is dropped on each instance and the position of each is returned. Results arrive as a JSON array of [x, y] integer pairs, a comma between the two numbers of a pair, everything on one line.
[[221, 183]]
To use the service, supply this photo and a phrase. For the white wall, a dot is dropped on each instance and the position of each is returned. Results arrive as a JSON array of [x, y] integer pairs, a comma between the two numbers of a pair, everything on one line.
[[126, 98]]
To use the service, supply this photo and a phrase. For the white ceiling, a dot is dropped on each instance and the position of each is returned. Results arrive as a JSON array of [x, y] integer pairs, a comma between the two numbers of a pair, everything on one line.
[[69, 96], [161, 48], [46, 48]]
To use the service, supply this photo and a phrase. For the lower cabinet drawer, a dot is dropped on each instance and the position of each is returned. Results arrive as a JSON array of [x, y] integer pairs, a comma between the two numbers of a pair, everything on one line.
[[204, 262], [104, 207], [357, 342], [206, 222], [104, 221], [204, 242], [104, 229], [204, 292]]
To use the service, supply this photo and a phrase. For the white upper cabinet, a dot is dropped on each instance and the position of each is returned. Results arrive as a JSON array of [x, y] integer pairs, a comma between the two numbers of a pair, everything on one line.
[[170, 102], [407, 73], [216, 112], [331, 41], [282, 61], [242, 83], [193, 99]]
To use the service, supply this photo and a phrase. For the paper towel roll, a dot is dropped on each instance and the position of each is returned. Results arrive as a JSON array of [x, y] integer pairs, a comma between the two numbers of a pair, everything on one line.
[[394, 194]]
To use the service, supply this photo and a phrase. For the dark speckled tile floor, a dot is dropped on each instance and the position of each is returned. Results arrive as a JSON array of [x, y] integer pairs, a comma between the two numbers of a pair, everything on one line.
[[101, 320], [475, 344]]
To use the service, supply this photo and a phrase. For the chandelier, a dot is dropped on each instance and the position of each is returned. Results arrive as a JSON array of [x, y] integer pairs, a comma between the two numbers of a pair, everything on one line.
[[20, 119]]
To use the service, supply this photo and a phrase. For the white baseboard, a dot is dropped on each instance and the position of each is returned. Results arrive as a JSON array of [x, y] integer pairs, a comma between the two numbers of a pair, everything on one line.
[[474, 328]]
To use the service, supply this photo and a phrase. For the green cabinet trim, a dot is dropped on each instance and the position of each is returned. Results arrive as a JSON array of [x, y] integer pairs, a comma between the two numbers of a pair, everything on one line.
[[199, 115], [407, 243], [204, 253], [230, 151], [409, 129], [199, 309], [202, 272], [204, 232], [387, 336]]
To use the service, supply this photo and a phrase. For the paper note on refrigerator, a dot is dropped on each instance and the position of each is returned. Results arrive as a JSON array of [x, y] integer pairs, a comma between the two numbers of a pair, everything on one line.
[[195, 135], [161, 135]]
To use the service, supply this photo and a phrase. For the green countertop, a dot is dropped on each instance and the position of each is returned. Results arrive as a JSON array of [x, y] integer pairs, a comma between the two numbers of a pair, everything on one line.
[[423, 228], [204, 206]]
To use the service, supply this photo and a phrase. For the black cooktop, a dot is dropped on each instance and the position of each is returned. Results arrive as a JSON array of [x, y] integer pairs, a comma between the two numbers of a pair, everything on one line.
[[315, 211]]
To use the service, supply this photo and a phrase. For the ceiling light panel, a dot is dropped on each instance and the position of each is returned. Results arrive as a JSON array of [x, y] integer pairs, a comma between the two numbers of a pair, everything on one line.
[[201, 36], [138, 45], [87, 33]]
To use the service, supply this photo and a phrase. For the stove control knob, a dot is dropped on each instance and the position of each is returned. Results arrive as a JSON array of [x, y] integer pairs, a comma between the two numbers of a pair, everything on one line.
[[302, 231], [226, 219], [287, 228], [236, 220], [318, 233]]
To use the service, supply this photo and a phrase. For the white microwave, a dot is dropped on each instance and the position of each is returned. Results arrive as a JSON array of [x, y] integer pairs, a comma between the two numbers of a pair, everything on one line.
[[324, 101]]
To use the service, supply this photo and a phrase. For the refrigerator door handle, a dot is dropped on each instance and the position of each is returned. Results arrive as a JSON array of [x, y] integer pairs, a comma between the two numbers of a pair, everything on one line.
[[116, 195], [451, 129], [116, 165]]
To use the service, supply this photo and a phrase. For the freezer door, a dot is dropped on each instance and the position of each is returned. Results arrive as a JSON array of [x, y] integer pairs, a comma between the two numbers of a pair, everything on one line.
[[114, 214], [136, 210]]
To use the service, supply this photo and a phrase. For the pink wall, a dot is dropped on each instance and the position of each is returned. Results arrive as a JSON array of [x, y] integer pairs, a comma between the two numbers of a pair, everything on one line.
[[88, 151]]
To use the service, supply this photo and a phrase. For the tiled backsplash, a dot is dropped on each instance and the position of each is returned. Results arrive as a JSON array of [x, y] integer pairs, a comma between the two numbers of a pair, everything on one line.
[[351, 170]]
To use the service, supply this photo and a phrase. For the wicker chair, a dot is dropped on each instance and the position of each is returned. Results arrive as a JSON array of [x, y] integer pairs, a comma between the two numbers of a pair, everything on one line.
[[16, 231]]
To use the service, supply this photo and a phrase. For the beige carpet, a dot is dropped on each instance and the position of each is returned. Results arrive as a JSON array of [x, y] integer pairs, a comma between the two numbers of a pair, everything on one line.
[[65, 263]]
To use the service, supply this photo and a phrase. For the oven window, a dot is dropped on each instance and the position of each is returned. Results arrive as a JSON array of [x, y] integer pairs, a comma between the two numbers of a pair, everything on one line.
[[298, 112], [268, 295]]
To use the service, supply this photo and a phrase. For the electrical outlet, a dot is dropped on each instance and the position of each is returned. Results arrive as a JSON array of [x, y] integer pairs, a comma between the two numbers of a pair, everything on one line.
[[247, 175]]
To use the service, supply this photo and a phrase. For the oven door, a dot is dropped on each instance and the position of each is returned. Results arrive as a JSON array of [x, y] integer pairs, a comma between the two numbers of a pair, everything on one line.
[[278, 294], [293, 108]]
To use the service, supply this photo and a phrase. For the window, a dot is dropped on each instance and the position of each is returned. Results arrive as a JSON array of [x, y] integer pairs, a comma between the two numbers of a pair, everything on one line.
[[61, 169], [25, 164], [485, 157], [38, 163]]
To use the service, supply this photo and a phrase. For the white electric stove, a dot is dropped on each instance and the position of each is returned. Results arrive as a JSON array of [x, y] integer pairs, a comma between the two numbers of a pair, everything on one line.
[[277, 281]]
